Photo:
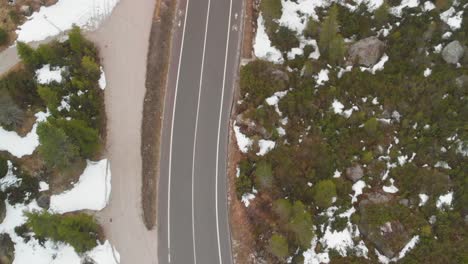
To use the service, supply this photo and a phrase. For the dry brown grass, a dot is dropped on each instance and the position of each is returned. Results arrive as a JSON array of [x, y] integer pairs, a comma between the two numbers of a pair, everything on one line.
[[156, 74]]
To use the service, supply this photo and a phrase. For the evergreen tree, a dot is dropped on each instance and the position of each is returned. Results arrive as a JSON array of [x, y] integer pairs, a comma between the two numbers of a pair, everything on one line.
[[324, 192], [331, 43], [278, 246], [27, 54], [56, 148]]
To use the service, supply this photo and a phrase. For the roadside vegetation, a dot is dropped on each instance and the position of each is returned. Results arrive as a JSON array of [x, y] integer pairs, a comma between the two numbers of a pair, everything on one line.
[[402, 125], [72, 132]]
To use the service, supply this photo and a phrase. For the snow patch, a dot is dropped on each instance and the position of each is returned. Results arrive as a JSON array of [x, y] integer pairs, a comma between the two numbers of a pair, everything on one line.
[[423, 197], [54, 20], [102, 80], [243, 142], [452, 18], [265, 146], [46, 75], [91, 192], [445, 200], [262, 44], [20, 146]]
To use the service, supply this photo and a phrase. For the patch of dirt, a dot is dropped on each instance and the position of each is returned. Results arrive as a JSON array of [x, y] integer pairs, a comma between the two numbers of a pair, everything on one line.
[[250, 18], [243, 242], [12, 15], [156, 73]]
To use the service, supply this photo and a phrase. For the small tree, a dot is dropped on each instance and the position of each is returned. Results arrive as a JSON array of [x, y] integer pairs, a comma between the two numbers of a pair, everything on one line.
[[50, 96], [381, 14], [331, 43], [78, 230], [3, 37], [76, 40], [56, 148], [278, 246], [11, 116], [27, 54], [271, 9], [324, 192], [90, 67], [83, 136], [301, 225]]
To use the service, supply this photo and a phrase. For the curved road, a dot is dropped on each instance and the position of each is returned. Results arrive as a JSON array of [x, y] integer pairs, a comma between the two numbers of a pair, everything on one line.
[[193, 210]]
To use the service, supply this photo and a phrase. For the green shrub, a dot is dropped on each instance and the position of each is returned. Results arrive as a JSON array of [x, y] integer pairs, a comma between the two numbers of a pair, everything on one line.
[[381, 14], [84, 137], [271, 9], [27, 54], [284, 39], [278, 246], [56, 148], [331, 43], [324, 192], [11, 116], [78, 230], [21, 86], [3, 37]]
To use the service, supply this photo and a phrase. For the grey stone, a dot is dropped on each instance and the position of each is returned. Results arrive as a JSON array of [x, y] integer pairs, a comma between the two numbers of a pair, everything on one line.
[[26, 10], [461, 81], [354, 173], [366, 51], [44, 201], [453, 52], [7, 249], [404, 202]]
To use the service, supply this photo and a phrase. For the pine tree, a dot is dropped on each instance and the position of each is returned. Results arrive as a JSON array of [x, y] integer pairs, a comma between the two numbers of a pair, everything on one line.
[[56, 148]]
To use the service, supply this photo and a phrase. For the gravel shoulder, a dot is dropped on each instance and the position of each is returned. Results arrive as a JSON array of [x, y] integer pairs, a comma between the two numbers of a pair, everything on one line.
[[123, 42]]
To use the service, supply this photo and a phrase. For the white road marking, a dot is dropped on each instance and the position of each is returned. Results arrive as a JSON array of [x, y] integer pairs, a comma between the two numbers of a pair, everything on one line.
[[219, 130], [170, 145], [196, 130]]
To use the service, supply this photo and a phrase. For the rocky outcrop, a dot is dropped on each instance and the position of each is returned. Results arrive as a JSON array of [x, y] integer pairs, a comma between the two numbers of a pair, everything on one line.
[[354, 173], [7, 249], [453, 52], [366, 51], [388, 238], [461, 81]]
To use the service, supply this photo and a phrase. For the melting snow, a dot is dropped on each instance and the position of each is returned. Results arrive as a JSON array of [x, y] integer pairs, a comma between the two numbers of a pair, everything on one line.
[[102, 80], [427, 72], [445, 200], [357, 188], [452, 18], [262, 44], [322, 77], [390, 189], [243, 142], [265, 146], [53, 20], [91, 192], [46, 75], [20, 146], [423, 197]]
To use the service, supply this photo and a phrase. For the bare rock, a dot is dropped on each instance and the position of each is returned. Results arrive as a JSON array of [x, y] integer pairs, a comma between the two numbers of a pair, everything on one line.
[[44, 201], [366, 51], [453, 52], [354, 173], [461, 81], [26, 10], [7, 249]]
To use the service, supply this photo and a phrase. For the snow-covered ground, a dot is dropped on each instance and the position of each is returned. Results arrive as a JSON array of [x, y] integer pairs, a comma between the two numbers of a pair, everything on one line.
[[91, 192], [46, 75], [53, 20], [19, 146]]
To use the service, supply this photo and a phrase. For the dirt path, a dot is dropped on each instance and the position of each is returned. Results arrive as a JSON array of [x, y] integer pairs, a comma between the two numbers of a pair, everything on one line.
[[123, 41]]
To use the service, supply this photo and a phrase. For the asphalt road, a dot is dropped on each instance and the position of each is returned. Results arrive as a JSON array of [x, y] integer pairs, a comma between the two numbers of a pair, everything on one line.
[[193, 211]]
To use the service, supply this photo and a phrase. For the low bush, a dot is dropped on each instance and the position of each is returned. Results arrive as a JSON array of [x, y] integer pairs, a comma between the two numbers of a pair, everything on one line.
[[79, 230]]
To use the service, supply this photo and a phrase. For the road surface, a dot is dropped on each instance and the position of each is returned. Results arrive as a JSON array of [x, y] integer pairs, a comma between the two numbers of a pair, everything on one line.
[[193, 211]]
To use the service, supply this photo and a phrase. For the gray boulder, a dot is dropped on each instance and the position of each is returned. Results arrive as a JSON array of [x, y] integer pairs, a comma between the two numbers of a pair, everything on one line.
[[453, 52], [461, 81], [26, 10], [2, 208], [44, 201], [7, 249], [354, 173], [366, 51]]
